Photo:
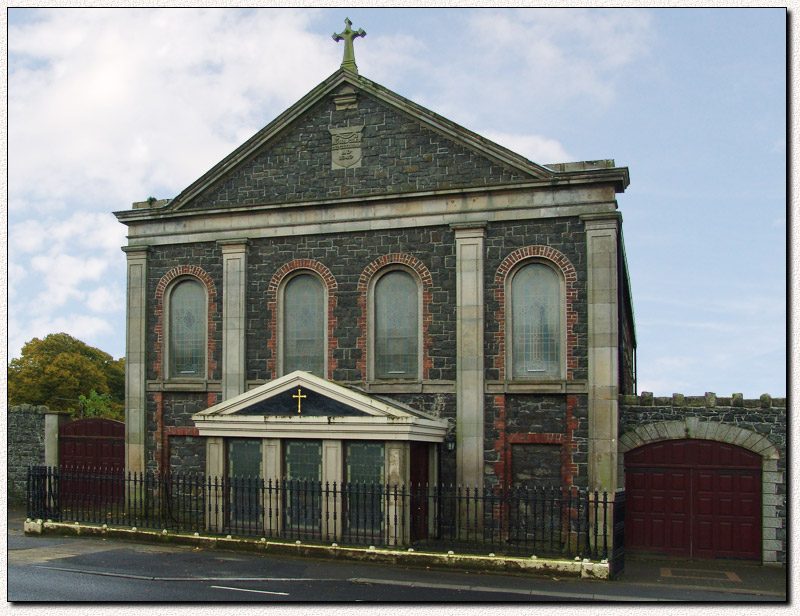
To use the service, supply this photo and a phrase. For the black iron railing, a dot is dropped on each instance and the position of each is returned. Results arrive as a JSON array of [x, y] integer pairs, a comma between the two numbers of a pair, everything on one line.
[[538, 521]]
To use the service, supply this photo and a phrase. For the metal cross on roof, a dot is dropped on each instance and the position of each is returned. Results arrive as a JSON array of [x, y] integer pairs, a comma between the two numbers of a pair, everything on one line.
[[349, 60]]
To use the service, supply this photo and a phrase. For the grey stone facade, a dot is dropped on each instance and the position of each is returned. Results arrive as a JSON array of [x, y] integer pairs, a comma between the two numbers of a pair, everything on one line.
[[26, 434], [417, 192]]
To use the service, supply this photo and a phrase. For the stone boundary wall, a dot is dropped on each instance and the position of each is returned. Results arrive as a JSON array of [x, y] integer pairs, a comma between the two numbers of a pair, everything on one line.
[[758, 425], [25, 446]]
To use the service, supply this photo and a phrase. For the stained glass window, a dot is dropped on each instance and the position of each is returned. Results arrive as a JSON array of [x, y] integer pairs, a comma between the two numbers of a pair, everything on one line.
[[187, 329], [536, 322], [304, 324], [396, 326]]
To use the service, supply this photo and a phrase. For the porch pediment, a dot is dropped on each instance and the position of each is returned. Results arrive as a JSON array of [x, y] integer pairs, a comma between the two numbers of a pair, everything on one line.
[[301, 405]]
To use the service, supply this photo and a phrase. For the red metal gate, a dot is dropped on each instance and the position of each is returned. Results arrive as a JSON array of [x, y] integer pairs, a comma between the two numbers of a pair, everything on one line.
[[92, 443], [696, 499]]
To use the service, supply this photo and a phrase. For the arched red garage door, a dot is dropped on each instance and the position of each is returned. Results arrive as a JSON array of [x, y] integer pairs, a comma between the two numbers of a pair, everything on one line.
[[694, 499]]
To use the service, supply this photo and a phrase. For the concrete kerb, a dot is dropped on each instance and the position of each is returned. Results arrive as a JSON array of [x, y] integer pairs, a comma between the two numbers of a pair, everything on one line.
[[533, 566]]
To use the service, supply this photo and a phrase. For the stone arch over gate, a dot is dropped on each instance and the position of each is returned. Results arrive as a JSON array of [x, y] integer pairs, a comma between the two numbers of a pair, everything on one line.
[[693, 428]]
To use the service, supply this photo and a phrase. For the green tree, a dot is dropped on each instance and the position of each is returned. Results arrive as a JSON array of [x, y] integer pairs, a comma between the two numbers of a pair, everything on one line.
[[58, 369], [98, 405]]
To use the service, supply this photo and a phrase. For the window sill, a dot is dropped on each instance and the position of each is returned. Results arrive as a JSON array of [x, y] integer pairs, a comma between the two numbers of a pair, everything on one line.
[[185, 385], [409, 387], [539, 386]]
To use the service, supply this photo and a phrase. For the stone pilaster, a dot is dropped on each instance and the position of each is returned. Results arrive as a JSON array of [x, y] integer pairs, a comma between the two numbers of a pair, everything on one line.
[[53, 420], [135, 359], [601, 247], [469, 240], [234, 283]]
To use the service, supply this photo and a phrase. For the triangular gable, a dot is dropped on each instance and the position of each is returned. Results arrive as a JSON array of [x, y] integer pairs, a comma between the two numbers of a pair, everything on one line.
[[290, 159], [332, 412], [322, 398]]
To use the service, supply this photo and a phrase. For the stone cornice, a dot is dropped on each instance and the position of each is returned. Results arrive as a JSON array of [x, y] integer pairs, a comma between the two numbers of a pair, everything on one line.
[[617, 176]]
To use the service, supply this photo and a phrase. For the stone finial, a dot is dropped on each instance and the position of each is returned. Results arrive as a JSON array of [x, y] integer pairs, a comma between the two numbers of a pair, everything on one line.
[[349, 59], [766, 401], [711, 398], [737, 400], [647, 398]]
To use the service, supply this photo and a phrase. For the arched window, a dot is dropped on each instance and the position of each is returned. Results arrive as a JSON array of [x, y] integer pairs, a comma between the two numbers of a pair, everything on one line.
[[187, 329], [304, 325], [396, 326], [536, 322]]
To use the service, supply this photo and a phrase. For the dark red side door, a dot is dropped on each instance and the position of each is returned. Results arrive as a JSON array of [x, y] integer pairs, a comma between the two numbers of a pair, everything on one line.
[[419, 488]]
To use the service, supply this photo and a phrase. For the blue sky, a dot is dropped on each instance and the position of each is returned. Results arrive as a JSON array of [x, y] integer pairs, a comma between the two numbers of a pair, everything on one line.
[[107, 107]]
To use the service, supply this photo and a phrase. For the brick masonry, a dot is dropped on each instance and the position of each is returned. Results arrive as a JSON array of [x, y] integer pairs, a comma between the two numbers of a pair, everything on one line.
[[25, 446], [755, 424], [522, 432]]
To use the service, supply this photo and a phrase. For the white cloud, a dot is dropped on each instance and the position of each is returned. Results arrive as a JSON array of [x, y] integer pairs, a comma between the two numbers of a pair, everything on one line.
[[106, 299], [556, 56], [25, 237], [89, 329], [102, 121], [62, 275], [539, 149], [16, 276]]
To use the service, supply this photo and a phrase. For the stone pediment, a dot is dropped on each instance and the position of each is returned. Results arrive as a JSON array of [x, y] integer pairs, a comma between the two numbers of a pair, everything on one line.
[[350, 137], [325, 410]]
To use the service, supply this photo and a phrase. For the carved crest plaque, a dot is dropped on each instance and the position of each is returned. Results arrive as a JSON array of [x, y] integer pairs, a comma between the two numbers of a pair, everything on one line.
[[346, 147]]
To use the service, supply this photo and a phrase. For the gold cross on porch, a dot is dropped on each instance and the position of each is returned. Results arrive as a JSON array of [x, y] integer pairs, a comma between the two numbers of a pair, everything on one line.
[[299, 395], [349, 60]]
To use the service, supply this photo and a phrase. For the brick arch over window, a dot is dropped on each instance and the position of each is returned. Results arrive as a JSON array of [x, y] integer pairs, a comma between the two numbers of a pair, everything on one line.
[[692, 427], [570, 278], [424, 275], [329, 281], [199, 274]]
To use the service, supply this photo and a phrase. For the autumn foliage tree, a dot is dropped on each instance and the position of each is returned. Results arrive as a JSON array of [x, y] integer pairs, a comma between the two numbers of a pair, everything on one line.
[[65, 374]]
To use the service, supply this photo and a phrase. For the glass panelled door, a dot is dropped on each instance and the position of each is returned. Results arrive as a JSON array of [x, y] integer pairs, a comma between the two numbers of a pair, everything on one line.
[[364, 463], [303, 473], [244, 503]]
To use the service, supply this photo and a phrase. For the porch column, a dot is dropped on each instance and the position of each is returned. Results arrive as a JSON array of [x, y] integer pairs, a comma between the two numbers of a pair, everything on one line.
[[332, 476], [135, 359], [469, 353], [234, 281], [273, 480], [398, 507], [215, 470]]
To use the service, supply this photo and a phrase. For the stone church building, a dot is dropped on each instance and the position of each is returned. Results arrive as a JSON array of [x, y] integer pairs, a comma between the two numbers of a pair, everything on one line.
[[367, 291]]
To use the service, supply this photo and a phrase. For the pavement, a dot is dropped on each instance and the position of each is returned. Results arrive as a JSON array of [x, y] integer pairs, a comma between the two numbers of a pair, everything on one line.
[[684, 577]]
